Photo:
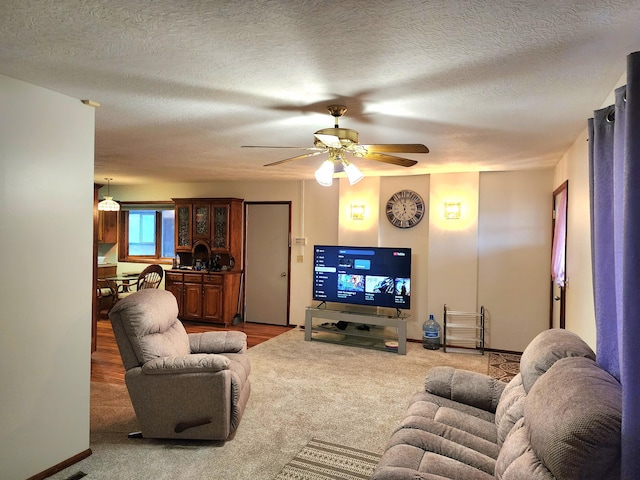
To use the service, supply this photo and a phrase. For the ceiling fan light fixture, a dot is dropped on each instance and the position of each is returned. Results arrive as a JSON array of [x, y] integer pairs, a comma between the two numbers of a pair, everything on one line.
[[353, 173], [324, 174]]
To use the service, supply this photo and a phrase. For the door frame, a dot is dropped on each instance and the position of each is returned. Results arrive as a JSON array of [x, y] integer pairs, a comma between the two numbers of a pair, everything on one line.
[[244, 253], [562, 299]]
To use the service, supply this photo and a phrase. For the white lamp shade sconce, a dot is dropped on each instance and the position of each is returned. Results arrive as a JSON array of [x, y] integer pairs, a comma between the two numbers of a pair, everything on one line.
[[324, 174], [452, 210], [108, 204]]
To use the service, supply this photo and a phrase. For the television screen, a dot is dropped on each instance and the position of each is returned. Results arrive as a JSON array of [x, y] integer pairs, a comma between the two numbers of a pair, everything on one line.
[[375, 276]]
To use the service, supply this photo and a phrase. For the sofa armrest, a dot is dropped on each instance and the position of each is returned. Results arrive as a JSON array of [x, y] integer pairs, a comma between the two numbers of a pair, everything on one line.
[[470, 388], [218, 342], [196, 363]]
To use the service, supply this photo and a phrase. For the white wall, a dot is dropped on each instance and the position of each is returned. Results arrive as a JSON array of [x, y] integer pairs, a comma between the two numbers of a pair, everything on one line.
[[46, 248], [515, 255], [453, 244]]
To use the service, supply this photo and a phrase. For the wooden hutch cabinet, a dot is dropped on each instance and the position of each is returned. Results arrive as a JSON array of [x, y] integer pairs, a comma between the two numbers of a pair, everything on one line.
[[206, 227], [214, 221]]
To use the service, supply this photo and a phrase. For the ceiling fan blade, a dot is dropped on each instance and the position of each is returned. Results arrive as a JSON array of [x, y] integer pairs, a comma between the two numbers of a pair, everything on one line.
[[295, 158], [383, 157], [397, 148], [273, 146], [328, 140]]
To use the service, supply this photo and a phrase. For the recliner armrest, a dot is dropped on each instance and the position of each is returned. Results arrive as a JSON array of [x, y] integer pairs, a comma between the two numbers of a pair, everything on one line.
[[464, 386], [195, 363], [218, 342]]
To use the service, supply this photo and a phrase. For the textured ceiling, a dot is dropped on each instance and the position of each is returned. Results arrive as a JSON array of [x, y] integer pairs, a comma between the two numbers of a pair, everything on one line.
[[496, 85]]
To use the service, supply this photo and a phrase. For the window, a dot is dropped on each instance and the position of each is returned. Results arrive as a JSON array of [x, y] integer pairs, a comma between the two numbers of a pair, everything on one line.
[[146, 232]]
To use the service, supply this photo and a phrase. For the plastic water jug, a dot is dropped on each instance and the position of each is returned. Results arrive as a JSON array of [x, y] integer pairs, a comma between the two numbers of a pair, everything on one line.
[[431, 334]]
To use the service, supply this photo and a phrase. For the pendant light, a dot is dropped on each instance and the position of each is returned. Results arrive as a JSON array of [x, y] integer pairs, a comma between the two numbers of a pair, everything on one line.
[[108, 204]]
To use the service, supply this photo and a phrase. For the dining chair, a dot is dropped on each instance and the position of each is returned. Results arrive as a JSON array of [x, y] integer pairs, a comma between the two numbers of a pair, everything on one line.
[[150, 277], [105, 293]]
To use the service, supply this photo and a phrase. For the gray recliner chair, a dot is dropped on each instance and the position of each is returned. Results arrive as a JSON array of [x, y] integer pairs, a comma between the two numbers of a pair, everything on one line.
[[183, 386]]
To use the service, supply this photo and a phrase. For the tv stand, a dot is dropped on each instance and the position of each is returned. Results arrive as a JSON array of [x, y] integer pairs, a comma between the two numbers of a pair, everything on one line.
[[367, 330]]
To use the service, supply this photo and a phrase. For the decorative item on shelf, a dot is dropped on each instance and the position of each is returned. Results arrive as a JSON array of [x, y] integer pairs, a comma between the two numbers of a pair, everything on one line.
[[452, 210], [108, 204], [214, 264]]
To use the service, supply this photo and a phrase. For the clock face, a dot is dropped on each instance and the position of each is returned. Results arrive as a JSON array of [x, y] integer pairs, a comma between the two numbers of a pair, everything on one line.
[[405, 209]]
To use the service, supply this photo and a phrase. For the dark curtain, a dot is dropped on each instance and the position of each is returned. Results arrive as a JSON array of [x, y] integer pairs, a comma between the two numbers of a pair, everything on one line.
[[614, 162]]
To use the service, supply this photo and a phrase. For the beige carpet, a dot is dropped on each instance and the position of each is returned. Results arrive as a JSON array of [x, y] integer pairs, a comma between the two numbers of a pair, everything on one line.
[[300, 391]]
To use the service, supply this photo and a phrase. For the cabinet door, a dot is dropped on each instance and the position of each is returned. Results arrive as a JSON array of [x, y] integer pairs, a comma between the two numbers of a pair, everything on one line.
[[177, 289], [183, 227], [201, 221], [107, 227], [212, 303], [220, 227], [192, 307]]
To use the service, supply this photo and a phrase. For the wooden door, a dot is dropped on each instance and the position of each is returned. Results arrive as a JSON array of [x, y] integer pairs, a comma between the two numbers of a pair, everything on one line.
[[212, 303], [267, 257], [559, 237], [192, 301], [177, 288]]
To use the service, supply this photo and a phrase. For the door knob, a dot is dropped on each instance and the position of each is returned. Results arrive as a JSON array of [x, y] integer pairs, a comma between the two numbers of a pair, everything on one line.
[[556, 298], [283, 274]]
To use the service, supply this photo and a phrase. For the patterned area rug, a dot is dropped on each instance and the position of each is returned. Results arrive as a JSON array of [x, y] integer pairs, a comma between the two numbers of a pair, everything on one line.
[[504, 366], [320, 460]]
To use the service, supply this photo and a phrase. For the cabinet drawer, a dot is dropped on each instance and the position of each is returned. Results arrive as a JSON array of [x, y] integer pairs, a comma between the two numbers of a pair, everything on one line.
[[212, 279], [104, 272], [173, 277], [193, 277]]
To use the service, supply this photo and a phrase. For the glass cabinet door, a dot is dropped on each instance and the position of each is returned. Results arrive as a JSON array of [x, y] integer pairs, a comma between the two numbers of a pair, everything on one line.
[[201, 222], [183, 228], [220, 233]]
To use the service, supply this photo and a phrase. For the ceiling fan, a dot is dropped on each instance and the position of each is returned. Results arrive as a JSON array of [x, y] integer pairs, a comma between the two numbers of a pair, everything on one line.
[[337, 141]]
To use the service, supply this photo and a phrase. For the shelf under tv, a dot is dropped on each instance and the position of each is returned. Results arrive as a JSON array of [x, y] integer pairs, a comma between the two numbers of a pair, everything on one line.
[[376, 330]]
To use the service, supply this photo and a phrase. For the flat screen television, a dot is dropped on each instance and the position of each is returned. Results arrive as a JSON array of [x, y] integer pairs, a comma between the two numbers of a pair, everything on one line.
[[373, 276]]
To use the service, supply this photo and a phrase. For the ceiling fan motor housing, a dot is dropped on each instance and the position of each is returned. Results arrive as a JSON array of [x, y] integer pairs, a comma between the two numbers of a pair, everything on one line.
[[346, 135]]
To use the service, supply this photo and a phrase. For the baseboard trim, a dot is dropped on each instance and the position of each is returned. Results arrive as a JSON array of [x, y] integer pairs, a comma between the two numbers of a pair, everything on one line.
[[495, 350], [62, 465]]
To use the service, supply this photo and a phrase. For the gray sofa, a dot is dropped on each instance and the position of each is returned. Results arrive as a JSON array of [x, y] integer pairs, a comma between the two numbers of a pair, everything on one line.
[[559, 418]]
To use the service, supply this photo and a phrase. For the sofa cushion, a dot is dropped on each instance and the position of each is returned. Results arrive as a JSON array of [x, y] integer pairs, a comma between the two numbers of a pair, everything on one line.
[[510, 409], [571, 426], [470, 388], [547, 348], [419, 454], [452, 424]]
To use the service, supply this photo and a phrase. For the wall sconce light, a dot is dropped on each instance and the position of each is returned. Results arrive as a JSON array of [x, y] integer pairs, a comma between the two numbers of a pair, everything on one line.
[[452, 210], [357, 212]]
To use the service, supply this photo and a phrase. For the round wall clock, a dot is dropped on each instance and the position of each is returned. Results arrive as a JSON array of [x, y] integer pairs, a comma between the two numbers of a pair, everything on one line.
[[405, 209]]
